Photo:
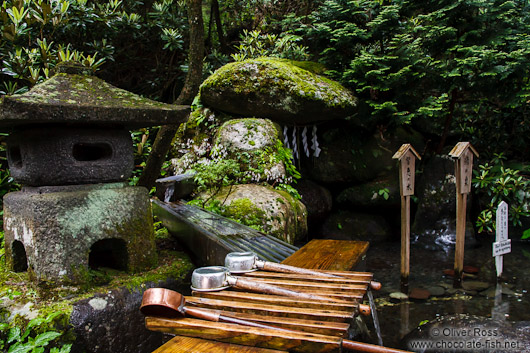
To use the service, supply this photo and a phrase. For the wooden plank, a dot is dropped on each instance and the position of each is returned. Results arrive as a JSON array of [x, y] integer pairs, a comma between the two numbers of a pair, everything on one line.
[[195, 345], [329, 254], [275, 299], [355, 279], [331, 328], [346, 297], [251, 336], [273, 310], [321, 285]]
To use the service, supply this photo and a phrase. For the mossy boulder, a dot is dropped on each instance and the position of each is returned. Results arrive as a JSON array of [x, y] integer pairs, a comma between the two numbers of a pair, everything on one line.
[[276, 89], [252, 142], [194, 138], [279, 214]]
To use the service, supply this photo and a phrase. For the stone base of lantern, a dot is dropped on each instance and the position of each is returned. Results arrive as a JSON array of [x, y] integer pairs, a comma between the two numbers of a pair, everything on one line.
[[61, 232]]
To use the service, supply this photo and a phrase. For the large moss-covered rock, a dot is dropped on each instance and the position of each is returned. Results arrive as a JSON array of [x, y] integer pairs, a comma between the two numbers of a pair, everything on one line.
[[276, 89], [253, 143], [278, 213]]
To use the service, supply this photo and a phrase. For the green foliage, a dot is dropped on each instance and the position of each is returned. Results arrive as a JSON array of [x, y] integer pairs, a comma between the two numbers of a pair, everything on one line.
[[498, 183], [219, 171], [37, 337], [256, 44], [462, 64], [119, 37], [385, 192]]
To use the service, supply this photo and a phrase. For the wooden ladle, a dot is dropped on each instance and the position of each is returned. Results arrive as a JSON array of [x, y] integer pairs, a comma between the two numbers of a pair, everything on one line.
[[215, 278], [163, 302], [243, 262]]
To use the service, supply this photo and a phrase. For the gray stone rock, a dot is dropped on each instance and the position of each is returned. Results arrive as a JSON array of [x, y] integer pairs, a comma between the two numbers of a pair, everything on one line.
[[246, 135], [252, 142], [475, 285], [61, 231], [111, 322], [348, 225], [282, 215], [63, 156], [276, 89], [316, 198], [399, 296], [436, 291]]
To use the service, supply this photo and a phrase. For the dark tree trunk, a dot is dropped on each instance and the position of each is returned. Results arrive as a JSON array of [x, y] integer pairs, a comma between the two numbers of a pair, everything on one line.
[[189, 91], [217, 15]]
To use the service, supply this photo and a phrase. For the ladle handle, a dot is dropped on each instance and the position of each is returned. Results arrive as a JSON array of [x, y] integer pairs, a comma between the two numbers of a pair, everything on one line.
[[369, 348], [213, 315], [271, 289], [276, 267]]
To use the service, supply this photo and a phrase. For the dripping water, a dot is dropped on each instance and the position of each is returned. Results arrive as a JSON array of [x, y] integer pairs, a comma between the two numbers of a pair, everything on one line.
[[373, 309]]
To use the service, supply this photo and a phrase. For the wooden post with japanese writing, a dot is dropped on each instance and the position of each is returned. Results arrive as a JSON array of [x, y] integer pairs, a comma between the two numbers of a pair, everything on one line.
[[462, 153], [406, 155]]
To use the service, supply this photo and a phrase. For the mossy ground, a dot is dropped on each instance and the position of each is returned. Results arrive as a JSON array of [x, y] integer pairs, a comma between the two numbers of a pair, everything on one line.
[[18, 289]]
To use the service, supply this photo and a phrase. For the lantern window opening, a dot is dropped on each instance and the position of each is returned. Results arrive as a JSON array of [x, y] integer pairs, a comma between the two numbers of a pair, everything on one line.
[[108, 253], [89, 152], [20, 260], [15, 155]]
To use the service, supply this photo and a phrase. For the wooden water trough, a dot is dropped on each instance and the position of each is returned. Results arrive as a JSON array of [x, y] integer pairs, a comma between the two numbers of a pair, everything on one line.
[[210, 237]]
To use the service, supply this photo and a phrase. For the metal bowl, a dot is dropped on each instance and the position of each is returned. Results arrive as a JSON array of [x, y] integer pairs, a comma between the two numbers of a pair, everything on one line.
[[162, 302], [241, 262], [211, 278]]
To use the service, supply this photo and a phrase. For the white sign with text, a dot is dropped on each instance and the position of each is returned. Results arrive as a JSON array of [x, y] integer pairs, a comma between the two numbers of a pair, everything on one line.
[[502, 244]]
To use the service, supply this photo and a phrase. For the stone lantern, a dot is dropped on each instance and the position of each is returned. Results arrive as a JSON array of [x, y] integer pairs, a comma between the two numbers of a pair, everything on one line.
[[70, 148]]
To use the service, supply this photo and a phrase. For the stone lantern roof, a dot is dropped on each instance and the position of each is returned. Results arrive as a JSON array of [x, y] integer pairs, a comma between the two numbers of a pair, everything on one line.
[[74, 97]]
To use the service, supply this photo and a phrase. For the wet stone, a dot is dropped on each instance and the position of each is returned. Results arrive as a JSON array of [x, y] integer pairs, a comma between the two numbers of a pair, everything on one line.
[[419, 293], [436, 291], [475, 285], [399, 296]]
